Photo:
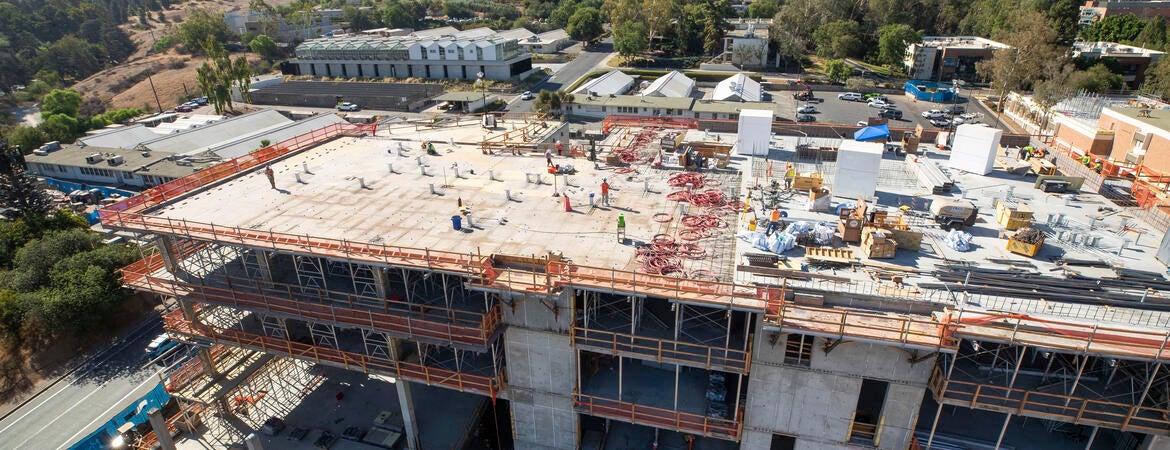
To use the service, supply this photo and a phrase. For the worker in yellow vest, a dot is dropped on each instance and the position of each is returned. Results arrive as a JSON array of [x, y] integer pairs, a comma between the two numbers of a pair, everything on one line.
[[789, 175]]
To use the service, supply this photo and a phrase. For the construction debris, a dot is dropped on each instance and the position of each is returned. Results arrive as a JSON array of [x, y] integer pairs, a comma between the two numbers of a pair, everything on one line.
[[958, 240], [930, 175]]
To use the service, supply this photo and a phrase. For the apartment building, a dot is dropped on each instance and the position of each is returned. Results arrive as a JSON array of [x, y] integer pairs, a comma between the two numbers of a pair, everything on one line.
[[944, 58], [1094, 10], [1132, 61]]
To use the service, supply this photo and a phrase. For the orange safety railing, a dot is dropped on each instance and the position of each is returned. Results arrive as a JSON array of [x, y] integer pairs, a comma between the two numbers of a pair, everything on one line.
[[663, 350], [1049, 406], [664, 286], [906, 330], [156, 195], [1058, 335], [190, 370], [405, 319], [628, 120], [659, 417], [490, 386]]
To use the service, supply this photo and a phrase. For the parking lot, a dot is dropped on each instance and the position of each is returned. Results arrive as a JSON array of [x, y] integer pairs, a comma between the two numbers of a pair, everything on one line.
[[832, 110]]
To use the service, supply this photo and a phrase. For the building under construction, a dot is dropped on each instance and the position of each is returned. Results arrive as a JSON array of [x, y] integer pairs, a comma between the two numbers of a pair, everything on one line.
[[472, 267]]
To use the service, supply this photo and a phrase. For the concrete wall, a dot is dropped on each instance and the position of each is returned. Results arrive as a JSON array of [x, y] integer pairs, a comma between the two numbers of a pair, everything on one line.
[[816, 404], [542, 373]]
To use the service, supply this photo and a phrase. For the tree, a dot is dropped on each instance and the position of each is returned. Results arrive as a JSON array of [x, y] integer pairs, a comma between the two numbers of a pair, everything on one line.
[[657, 14], [27, 138], [987, 17], [1096, 79], [18, 190], [1158, 79], [1123, 28], [202, 25], [1033, 55], [585, 24], [216, 76], [1153, 34], [763, 9], [629, 38], [893, 40], [839, 39], [60, 101], [837, 71], [264, 46]]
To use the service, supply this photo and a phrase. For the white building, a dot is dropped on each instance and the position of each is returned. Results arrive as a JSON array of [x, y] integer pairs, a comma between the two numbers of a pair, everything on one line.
[[944, 58], [615, 82], [673, 84], [747, 44], [547, 42], [440, 53], [739, 88]]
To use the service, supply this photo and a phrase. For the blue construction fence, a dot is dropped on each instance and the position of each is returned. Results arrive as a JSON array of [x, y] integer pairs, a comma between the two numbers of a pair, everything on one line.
[[930, 91], [67, 187], [134, 414]]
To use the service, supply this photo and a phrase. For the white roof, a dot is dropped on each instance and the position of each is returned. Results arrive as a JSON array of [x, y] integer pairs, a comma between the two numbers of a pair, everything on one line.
[[278, 133], [552, 36], [518, 34], [217, 133], [126, 137], [615, 82], [673, 84], [739, 87]]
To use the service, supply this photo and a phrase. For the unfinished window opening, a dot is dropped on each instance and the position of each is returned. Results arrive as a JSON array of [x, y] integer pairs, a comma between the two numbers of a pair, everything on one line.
[[867, 417], [782, 442], [798, 350]]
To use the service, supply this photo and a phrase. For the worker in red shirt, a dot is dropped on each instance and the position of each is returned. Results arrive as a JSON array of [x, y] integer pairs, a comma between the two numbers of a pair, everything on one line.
[[604, 192]]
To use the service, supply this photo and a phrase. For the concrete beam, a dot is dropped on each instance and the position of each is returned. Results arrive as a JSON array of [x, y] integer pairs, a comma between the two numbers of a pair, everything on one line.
[[169, 258], [204, 355], [159, 425]]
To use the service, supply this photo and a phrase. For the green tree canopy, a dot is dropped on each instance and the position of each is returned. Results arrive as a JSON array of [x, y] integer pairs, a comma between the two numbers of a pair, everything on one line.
[[61, 101], [1123, 28], [630, 38], [1153, 34], [1033, 57], [202, 25], [763, 9], [264, 46], [837, 71], [893, 40], [1097, 79], [839, 39], [585, 24]]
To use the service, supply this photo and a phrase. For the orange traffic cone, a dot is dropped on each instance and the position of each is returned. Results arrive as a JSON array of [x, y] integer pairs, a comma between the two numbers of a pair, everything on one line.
[[568, 207]]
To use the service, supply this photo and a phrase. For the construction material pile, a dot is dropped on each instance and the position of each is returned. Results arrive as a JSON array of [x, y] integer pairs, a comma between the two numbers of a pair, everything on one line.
[[930, 175], [1029, 235], [958, 240], [636, 150], [1123, 290]]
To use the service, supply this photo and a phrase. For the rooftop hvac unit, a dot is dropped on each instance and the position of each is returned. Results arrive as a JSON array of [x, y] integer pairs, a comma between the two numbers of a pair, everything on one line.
[[94, 158], [52, 145], [41, 152], [115, 160]]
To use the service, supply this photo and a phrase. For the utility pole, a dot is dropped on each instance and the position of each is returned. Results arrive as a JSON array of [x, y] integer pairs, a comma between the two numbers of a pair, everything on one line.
[[156, 102]]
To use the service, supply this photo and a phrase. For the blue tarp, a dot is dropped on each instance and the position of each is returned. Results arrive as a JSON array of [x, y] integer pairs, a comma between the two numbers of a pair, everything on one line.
[[135, 413], [872, 133], [67, 187], [929, 91]]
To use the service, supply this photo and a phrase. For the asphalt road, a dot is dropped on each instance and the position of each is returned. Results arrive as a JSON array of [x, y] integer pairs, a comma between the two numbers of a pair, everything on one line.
[[585, 62], [77, 405]]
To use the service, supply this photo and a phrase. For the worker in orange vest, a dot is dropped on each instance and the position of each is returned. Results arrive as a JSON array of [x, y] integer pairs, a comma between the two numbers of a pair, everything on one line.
[[604, 192], [774, 221], [271, 175]]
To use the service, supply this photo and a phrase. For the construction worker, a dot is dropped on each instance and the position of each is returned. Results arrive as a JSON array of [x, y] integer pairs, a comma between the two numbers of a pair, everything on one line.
[[621, 231], [1031, 151], [548, 155], [605, 191], [1086, 160], [1097, 167], [271, 175], [773, 221], [789, 175]]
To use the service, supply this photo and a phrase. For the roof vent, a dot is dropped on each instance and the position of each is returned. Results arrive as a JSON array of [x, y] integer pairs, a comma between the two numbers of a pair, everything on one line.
[[94, 158], [115, 160]]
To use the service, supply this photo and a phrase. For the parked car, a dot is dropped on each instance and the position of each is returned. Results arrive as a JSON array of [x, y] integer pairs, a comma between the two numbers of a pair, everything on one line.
[[851, 97], [933, 114], [201, 101], [805, 118], [862, 123], [184, 108], [875, 103], [159, 345], [955, 109], [347, 106], [527, 95], [940, 122], [890, 113], [807, 109]]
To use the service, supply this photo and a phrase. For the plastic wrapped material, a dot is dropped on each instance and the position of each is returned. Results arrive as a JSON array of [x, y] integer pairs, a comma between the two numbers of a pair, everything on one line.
[[845, 205], [958, 240], [799, 227], [824, 234], [776, 243]]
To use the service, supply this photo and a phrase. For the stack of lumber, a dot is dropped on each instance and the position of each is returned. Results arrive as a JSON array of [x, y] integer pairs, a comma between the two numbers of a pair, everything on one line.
[[930, 175]]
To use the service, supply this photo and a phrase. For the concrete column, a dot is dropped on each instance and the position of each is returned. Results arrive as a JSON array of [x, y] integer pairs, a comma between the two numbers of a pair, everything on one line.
[[264, 261], [188, 310], [381, 281], [253, 442], [170, 259], [159, 425], [1155, 442], [409, 421], [204, 355]]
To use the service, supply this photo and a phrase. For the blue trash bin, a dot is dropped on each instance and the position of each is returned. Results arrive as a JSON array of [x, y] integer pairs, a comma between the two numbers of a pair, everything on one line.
[[457, 223]]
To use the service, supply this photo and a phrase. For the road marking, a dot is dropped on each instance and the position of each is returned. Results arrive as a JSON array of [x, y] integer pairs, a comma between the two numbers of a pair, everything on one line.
[[102, 416], [125, 342]]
